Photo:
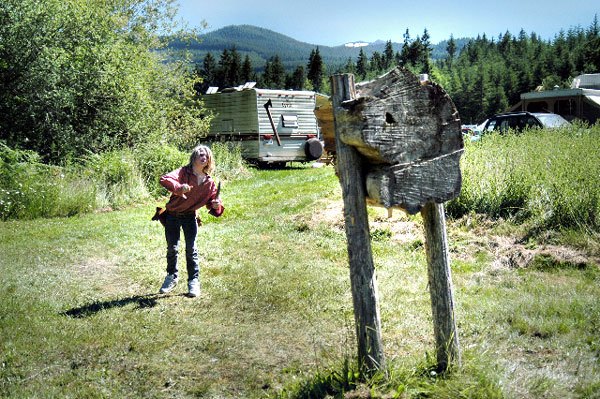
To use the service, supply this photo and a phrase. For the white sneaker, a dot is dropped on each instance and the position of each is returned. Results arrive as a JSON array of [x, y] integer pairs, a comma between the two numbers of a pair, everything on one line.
[[193, 288], [169, 284]]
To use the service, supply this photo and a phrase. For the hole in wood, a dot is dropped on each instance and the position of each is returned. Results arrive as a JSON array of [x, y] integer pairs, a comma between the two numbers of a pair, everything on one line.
[[389, 118]]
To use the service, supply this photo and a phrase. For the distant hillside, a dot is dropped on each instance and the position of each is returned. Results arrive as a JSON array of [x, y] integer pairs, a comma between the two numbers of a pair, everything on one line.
[[261, 44]]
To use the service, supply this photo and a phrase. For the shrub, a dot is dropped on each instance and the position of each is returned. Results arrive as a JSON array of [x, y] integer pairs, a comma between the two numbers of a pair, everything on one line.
[[116, 177], [229, 162], [154, 161], [90, 78]]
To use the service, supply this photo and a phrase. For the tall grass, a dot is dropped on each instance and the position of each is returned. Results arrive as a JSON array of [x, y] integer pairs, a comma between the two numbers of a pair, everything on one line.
[[116, 177], [30, 189], [155, 160], [229, 161], [548, 177]]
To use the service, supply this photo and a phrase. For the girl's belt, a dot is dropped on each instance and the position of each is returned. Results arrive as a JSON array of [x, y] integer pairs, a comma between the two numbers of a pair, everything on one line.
[[181, 214]]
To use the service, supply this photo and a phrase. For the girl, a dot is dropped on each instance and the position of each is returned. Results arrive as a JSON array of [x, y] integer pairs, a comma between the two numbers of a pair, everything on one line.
[[191, 188]]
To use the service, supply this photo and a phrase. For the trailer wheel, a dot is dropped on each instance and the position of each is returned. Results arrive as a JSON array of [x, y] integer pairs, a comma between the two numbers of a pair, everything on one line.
[[313, 149]]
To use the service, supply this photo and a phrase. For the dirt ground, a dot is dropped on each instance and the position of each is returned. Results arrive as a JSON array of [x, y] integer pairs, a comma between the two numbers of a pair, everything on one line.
[[511, 251]]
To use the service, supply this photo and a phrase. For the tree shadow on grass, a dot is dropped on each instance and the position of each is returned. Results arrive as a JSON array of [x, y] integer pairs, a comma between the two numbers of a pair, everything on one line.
[[142, 301]]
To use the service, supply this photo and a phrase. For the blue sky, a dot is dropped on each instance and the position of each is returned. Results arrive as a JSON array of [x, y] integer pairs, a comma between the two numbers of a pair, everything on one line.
[[336, 22]]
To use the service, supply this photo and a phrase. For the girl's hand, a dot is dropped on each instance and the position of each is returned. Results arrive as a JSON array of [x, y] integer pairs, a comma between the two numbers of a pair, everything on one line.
[[216, 203], [185, 188], [182, 190]]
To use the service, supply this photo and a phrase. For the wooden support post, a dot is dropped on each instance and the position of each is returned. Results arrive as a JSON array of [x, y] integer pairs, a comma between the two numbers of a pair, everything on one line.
[[362, 270], [440, 286], [398, 143]]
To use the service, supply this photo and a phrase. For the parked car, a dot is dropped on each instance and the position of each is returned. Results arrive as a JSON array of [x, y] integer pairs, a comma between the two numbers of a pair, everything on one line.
[[519, 121], [470, 132]]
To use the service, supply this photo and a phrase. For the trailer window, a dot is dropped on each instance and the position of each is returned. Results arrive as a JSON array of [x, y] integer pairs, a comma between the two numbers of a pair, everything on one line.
[[289, 121]]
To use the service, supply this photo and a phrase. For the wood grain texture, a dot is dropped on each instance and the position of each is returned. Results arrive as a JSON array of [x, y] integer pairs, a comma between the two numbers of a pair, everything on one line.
[[410, 135], [362, 269], [440, 286]]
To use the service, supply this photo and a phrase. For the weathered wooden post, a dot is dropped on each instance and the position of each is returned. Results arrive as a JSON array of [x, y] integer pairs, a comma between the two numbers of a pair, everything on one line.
[[362, 269], [440, 286], [408, 142]]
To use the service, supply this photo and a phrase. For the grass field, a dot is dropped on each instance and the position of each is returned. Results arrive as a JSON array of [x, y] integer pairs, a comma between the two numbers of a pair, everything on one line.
[[80, 315]]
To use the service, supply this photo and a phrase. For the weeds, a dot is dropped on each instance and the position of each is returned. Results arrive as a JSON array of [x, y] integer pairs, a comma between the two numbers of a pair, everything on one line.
[[549, 178], [116, 177], [229, 161], [30, 189], [154, 161]]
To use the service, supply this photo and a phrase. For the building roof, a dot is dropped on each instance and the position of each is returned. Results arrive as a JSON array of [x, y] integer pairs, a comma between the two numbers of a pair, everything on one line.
[[586, 81], [560, 93]]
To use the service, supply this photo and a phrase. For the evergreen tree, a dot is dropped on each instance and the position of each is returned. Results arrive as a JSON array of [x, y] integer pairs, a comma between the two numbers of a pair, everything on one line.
[[234, 70], [562, 61], [247, 70], [494, 98], [405, 52], [266, 80], [388, 55], [451, 50], [487, 76], [350, 67], [594, 29], [295, 81], [209, 68], [229, 71], [315, 70], [425, 52], [362, 64], [222, 76], [277, 73], [376, 63], [591, 48], [398, 58], [414, 52], [207, 72]]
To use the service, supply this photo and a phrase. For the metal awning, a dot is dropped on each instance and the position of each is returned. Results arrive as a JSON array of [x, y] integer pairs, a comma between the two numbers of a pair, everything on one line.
[[594, 99]]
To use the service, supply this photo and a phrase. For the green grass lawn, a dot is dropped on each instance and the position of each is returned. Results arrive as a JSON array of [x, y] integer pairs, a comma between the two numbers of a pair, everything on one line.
[[80, 316]]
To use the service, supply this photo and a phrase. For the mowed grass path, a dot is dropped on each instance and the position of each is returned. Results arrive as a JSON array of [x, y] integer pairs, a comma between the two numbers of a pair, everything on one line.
[[80, 315]]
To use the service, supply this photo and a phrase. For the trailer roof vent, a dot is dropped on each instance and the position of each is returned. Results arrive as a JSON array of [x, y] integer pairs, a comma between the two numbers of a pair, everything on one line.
[[212, 90]]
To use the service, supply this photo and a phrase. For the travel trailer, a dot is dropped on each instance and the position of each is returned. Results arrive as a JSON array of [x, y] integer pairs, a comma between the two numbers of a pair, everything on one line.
[[273, 127]]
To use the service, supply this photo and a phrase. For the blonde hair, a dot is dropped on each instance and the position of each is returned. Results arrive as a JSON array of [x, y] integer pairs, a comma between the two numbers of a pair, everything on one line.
[[210, 164]]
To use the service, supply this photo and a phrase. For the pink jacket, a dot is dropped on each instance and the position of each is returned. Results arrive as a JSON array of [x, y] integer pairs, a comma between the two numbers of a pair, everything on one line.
[[199, 196]]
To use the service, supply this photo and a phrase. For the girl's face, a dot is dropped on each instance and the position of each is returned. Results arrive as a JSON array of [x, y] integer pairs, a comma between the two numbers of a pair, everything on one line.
[[201, 161]]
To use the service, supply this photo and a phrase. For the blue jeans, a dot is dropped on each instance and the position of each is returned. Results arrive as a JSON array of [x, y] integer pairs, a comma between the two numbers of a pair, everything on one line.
[[173, 226]]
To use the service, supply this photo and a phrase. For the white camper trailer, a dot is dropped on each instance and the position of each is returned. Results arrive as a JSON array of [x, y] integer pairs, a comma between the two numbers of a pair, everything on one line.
[[272, 126]]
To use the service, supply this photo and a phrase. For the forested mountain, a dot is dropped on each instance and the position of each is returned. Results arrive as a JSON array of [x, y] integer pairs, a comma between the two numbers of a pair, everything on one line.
[[261, 44], [482, 75]]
